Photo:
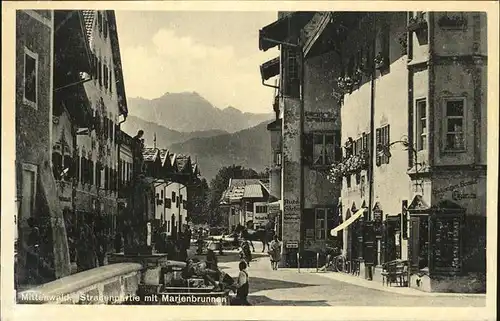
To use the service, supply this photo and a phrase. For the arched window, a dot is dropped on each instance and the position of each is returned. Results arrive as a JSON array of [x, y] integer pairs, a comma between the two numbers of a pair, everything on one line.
[[68, 164]]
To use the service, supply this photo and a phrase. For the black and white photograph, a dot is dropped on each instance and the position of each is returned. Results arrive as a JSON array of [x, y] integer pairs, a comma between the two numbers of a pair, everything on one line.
[[251, 157]]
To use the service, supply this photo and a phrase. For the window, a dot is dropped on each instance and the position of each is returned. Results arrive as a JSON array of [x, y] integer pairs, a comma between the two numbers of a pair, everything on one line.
[[110, 81], [454, 124], [161, 193], [30, 95], [99, 21], [105, 74], [104, 26], [323, 149], [277, 158], [320, 223], [421, 124], [99, 72], [91, 172], [383, 139], [173, 197], [359, 145], [260, 209]]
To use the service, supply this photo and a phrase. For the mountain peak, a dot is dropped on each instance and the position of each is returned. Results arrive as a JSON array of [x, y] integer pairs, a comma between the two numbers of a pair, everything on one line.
[[231, 109]]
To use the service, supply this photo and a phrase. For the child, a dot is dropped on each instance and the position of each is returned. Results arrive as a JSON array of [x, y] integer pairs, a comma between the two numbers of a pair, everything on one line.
[[242, 286]]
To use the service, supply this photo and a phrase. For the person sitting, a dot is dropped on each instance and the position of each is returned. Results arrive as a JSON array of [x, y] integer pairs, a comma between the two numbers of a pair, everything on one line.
[[211, 260], [241, 287], [195, 267]]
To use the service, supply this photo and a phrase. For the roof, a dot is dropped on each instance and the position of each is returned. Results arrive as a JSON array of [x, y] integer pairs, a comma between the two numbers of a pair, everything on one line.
[[238, 187], [182, 161], [253, 191], [164, 155], [266, 184], [117, 60], [150, 154]]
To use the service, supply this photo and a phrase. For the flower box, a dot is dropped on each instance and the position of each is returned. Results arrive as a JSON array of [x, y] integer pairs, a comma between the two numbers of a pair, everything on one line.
[[345, 84], [380, 61]]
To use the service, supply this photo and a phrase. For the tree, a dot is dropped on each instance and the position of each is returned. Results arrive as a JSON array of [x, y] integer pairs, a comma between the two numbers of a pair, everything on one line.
[[219, 184], [199, 203]]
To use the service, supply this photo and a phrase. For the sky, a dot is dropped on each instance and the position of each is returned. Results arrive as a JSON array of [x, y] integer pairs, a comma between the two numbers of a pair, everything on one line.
[[213, 53]]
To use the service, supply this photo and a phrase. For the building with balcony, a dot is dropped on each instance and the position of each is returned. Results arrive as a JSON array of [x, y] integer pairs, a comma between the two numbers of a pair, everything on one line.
[[54, 59], [411, 100], [306, 134], [97, 154]]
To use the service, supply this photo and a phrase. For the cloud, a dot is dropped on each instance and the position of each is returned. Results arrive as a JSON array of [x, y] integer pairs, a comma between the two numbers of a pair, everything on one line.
[[172, 63]]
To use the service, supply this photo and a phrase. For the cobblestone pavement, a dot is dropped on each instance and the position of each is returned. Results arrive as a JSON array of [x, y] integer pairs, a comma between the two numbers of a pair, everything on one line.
[[288, 287]]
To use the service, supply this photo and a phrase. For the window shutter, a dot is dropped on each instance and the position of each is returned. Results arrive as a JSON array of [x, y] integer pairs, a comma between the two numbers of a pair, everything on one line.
[[378, 141], [338, 148], [331, 221], [307, 148], [77, 168], [387, 141]]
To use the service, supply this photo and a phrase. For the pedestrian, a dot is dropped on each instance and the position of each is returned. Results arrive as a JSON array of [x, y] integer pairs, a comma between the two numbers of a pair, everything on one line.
[[275, 252], [242, 286]]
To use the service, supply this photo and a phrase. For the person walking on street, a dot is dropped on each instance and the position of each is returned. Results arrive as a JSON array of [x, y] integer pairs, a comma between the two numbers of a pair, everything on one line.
[[242, 286], [275, 252]]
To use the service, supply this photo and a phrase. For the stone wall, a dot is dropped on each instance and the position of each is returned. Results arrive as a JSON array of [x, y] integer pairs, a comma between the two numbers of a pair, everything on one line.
[[110, 283]]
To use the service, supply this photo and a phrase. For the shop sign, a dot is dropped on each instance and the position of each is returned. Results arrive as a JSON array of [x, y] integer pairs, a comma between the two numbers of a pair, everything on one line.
[[292, 244], [320, 116], [457, 195]]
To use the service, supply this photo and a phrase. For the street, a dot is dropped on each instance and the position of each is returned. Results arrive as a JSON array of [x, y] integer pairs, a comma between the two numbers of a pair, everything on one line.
[[290, 288]]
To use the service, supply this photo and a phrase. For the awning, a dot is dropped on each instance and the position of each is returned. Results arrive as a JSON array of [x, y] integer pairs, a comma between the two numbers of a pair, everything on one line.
[[348, 222], [277, 31], [270, 68]]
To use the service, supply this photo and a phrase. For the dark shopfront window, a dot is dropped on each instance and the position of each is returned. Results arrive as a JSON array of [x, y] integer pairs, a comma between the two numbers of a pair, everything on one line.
[[419, 234]]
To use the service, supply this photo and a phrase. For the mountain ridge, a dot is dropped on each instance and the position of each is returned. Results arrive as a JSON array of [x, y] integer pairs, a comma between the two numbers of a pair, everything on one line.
[[190, 112]]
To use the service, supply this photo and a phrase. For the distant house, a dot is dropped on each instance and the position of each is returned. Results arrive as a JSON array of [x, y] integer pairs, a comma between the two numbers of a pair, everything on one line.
[[245, 201], [172, 176]]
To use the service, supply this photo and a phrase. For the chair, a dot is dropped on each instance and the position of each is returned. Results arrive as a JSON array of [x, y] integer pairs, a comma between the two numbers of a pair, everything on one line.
[[395, 272]]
